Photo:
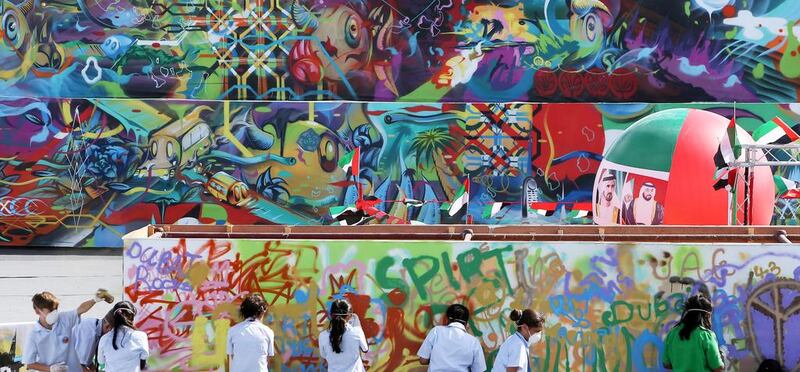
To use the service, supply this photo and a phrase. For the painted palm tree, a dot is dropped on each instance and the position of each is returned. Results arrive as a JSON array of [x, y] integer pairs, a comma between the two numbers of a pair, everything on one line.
[[429, 147]]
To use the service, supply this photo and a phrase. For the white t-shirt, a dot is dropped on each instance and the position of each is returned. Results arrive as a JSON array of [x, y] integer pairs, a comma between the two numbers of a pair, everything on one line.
[[450, 348], [354, 342], [514, 352], [86, 336], [132, 346], [53, 346], [251, 343]]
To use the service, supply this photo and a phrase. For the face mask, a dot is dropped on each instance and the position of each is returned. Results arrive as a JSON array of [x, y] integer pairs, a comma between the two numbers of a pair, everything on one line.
[[536, 337], [51, 317]]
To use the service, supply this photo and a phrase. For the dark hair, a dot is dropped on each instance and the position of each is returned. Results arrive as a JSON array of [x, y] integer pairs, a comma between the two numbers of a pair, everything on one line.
[[527, 317], [253, 306], [457, 313], [45, 301], [696, 312], [770, 365], [122, 316], [340, 309]]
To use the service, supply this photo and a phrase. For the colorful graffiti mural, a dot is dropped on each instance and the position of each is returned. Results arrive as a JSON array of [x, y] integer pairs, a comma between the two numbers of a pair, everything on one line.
[[12, 341], [608, 305], [85, 172], [389, 50]]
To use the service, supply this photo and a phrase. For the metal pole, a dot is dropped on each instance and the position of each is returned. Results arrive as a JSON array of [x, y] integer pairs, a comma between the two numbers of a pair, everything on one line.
[[747, 188]]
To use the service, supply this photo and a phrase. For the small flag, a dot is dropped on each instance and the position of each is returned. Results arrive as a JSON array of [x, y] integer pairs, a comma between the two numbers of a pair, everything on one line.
[[786, 188], [776, 131], [491, 209], [728, 152], [544, 208], [348, 215], [413, 202], [461, 199], [726, 180], [580, 210], [351, 161]]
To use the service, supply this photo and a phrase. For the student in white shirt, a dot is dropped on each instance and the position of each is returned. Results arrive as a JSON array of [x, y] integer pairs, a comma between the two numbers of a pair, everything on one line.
[[251, 343], [343, 342], [123, 349], [514, 353], [50, 344], [450, 348], [87, 336]]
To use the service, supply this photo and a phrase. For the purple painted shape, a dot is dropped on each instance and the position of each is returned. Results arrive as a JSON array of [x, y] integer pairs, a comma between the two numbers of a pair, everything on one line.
[[788, 296], [764, 328], [767, 299], [791, 348]]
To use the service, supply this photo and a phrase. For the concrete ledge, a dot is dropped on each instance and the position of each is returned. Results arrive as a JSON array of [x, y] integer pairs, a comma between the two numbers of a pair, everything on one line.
[[668, 234]]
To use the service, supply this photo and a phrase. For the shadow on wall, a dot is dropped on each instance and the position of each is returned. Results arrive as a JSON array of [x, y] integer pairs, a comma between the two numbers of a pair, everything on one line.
[[607, 306]]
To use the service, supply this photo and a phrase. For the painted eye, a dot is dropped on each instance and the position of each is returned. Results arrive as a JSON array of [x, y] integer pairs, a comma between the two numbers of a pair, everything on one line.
[[591, 24], [170, 150], [351, 30], [328, 153], [154, 148], [11, 29]]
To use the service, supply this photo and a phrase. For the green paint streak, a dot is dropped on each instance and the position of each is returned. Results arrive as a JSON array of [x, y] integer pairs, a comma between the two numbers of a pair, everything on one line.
[[558, 357], [687, 8], [420, 280], [547, 353], [385, 282], [790, 62], [758, 72], [214, 211], [425, 93], [449, 271], [731, 34]]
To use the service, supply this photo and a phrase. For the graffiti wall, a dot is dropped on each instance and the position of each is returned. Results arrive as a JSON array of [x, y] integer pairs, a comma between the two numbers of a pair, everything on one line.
[[390, 50], [608, 306], [85, 172], [12, 341]]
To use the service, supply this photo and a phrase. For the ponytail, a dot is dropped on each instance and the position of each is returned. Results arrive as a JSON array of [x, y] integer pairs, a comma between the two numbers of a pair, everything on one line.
[[121, 316], [340, 309]]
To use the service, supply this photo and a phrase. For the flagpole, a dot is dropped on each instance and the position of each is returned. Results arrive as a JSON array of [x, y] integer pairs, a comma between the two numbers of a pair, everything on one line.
[[735, 188], [469, 186]]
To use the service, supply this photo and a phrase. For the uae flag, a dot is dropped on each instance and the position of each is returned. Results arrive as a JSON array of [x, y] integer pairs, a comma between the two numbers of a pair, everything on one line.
[[461, 199], [786, 188], [491, 209], [728, 151], [776, 132], [351, 161], [348, 215], [580, 210], [726, 180], [544, 208]]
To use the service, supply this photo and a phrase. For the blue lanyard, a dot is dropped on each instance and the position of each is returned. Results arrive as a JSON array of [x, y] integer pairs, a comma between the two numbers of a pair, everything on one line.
[[527, 350]]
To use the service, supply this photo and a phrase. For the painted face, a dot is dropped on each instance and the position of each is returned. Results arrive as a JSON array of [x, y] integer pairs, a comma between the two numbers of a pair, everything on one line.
[[343, 46], [648, 193], [608, 189], [15, 57], [492, 22]]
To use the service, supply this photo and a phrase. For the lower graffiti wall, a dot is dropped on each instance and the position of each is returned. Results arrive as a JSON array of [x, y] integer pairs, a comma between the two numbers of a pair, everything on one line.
[[608, 306], [12, 340]]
